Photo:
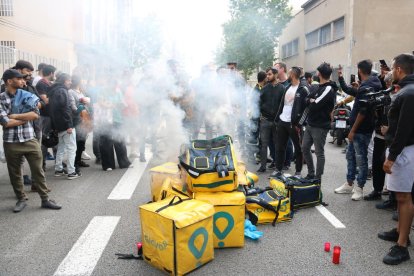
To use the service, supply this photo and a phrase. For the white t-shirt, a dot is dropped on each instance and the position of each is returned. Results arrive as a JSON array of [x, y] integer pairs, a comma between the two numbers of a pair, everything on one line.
[[288, 104]]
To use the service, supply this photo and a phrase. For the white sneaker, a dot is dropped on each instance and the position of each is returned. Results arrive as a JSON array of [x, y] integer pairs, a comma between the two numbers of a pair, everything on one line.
[[358, 193], [85, 156], [108, 170], [344, 189]]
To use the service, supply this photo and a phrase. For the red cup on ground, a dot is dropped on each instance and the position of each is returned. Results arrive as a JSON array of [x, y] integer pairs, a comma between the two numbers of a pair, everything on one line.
[[336, 254], [327, 246], [139, 248]]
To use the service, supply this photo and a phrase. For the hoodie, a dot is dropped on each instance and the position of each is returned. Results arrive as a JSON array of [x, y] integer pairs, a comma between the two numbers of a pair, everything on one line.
[[367, 125], [400, 133], [59, 107], [319, 114]]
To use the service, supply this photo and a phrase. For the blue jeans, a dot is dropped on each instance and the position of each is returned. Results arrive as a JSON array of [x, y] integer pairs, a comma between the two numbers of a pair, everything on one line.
[[357, 156]]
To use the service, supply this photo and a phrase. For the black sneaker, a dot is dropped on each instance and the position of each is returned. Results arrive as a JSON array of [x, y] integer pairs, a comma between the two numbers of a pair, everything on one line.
[[275, 174], [83, 164], [387, 205], [261, 169], [272, 165], [50, 204], [310, 177], [73, 175], [391, 235], [60, 173], [396, 255], [374, 195]]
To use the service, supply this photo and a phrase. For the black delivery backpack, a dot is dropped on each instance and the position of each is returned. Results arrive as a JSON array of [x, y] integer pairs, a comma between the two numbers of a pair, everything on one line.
[[303, 193]]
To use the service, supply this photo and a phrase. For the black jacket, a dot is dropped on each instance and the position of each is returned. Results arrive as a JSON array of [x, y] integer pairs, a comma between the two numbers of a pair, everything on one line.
[[270, 99], [299, 104], [400, 133], [367, 125], [59, 107], [42, 88], [320, 110]]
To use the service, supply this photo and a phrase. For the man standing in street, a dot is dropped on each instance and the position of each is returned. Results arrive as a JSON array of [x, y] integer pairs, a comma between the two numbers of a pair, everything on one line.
[[362, 126], [290, 112], [269, 103], [20, 141], [61, 116], [399, 163], [320, 102]]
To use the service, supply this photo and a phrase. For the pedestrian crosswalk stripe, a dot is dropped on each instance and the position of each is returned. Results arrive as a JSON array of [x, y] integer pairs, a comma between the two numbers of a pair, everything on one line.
[[129, 181], [330, 217], [86, 252]]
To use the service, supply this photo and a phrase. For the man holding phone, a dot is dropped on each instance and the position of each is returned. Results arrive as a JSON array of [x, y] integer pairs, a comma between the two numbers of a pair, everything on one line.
[[362, 127]]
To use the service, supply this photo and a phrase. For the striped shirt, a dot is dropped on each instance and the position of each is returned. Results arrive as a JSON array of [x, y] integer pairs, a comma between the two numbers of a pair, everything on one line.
[[17, 134]]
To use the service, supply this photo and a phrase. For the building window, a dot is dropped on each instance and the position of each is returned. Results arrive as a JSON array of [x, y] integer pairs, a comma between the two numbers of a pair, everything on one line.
[[339, 28], [325, 34], [330, 32], [7, 49], [290, 49], [6, 7], [312, 39]]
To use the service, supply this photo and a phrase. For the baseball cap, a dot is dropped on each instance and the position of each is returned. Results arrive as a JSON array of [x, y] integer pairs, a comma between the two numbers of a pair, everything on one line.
[[11, 73]]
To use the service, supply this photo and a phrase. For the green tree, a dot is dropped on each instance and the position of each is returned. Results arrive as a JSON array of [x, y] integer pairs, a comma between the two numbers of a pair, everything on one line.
[[250, 36]]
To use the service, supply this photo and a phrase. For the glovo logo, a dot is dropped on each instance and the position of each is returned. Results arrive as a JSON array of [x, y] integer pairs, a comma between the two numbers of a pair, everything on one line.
[[198, 253], [158, 245], [221, 235]]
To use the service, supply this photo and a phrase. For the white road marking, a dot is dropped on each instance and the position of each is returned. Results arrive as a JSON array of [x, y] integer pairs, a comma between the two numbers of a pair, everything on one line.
[[330, 217], [84, 255], [129, 181]]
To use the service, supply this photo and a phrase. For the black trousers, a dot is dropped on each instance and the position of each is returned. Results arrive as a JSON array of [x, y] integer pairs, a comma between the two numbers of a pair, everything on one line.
[[107, 144], [80, 147], [267, 137], [378, 158], [284, 132]]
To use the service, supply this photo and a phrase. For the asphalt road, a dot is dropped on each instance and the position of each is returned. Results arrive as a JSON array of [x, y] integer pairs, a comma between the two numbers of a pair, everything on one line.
[[44, 242]]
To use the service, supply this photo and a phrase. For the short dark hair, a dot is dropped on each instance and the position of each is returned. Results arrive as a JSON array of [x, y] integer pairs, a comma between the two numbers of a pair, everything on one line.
[[325, 70], [405, 62], [40, 66], [283, 65], [315, 78], [274, 70], [296, 71], [308, 75], [48, 69], [261, 76], [365, 66], [21, 64], [62, 78]]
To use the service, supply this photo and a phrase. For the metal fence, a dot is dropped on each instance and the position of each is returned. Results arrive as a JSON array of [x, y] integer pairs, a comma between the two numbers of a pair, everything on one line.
[[9, 56]]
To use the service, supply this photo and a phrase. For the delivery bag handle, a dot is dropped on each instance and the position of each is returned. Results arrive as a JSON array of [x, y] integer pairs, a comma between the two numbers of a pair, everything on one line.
[[172, 203]]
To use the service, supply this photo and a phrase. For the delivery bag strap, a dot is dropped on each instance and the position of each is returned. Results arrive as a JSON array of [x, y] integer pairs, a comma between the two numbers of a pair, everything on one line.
[[172, 203], [194, 172], [263, 203]]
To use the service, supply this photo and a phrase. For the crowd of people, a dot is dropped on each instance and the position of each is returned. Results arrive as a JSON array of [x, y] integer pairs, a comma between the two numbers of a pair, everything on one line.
[[287, 113], [298, 106]]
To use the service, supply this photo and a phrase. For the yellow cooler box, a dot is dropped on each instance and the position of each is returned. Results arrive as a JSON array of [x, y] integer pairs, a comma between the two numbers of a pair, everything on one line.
[[228, 224], [173, 187], [160, 173], [177, 234]]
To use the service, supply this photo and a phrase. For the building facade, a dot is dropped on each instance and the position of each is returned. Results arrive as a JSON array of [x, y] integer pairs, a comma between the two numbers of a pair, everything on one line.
[[343, 32], [64, 33]]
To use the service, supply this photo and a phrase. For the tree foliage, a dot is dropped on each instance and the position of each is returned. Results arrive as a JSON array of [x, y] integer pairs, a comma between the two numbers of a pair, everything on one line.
[[250, 37]]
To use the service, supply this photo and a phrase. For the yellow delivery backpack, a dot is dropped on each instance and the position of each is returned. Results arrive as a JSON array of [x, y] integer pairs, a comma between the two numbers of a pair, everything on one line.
[[160, 173], [177, 234], [228, 221], [173, 187], [267, 206], [211, 165]]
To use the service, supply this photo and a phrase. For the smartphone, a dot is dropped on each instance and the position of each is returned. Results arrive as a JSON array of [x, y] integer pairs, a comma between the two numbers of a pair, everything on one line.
[[384, 64], [352, 78]]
